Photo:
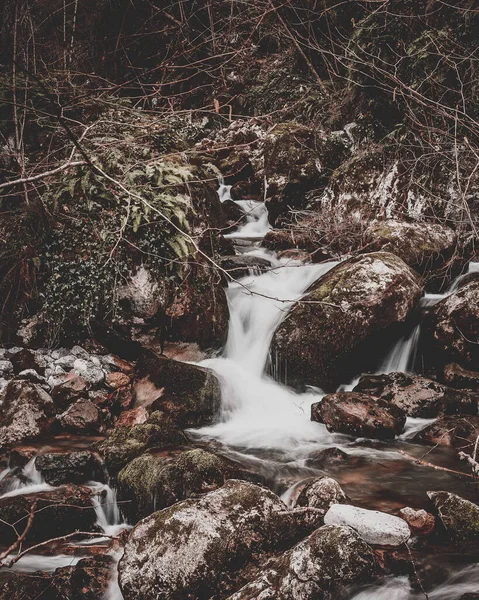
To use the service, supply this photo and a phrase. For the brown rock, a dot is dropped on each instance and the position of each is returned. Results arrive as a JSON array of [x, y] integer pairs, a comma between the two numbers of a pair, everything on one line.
[[135, 416], [420, 522], [117, 380], [461, 378], [81, 417], [450, 431], [68, 388]]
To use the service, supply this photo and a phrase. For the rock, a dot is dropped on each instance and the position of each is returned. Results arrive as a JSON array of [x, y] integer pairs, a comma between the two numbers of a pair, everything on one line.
[[25, 359], [126, 443], [69, 467], [418, 396], [58, 512], [461, 378], [286, 239], [195, 548], [423, 246], [452, 327], [135, 416], [26, 412], [348, 307], [77, 351], [117, 380], [82, 417], [152, 482], [322, 459], [420, 522], [449, 431], [190, 394], [374, 527], [242, 265], [359, 415], [66, 362], [459, 517], [114, 363], [31, 375], [6, 367], [320, 567], [21, 455], [67, 388], [320, 493], [89, 371]]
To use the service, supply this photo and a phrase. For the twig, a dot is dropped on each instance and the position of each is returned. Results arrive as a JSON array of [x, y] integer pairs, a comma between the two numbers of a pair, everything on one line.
[[22, 180], [428, 464], [20, 539]]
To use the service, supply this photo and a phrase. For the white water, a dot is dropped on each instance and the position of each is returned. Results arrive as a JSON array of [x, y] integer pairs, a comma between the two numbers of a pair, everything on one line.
[[31, 481], [256, 224], [402, 355]]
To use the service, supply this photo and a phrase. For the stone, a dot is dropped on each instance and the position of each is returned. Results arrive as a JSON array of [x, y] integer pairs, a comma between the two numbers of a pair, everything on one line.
[[189, 394], [79, 352], [69, 467], [359, 415], [66, 362], [117, 380], [351, 305], [68, 387], [114, 363], [26, 412], [459, 517], [92, 373], [152, 482], [374, 527], [452, 431], [461, 378], [6, 367], [58, 512], [194, 548], [320, 493], [81, 417], [418, 396], [25, 359], [135, 416], [242, 265], [319, 567], [31, 375], [420, 522]]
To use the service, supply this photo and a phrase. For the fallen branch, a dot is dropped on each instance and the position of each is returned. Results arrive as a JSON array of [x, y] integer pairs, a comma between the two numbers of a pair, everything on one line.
[[428, 464], [23, 180], [20, 539]]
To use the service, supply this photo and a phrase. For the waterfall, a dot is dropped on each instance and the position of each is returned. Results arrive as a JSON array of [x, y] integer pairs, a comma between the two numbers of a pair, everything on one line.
[[28, 481], [256, 224], [402, 355]]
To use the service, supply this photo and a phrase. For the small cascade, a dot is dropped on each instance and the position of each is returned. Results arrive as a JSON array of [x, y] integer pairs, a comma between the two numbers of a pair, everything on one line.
[[402, 356], [113, 592], [106, 508], [26, 481]]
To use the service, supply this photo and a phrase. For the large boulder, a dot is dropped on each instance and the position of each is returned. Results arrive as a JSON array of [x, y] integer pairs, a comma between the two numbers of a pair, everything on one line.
[[453, 327], [359, 415], [458, 432], [374, 527], [418, 396], [318, 568], [423, 246], [57, 512], [69, 467], [319, 493], [348, 307], [26, 412], [190, 394], [459, 517], [126, 443], [154, 481], [194, 548]]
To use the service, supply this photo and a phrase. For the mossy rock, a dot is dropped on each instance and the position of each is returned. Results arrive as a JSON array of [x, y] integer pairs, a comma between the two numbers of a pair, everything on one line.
[[342, 311], [459, 517]]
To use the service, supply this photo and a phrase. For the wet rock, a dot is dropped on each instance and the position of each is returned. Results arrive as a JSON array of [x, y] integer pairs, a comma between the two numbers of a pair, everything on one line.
[[31, 375], [420, 522], [286, 239], [449, 431], [327, 458], [452, 326], [374, 527], [69, 467], [349, 306], [418, 396], [152, 482], [26, 412], [190, 394], [82, 417], [126, 443], [423, 246], [319, 567], [20, 586], [244, 264], [135, 416], [461, 378], [67, 388], [20, 455], [57, 512], [117, 380], [195, 548], [320, 493], [459, 517], [359, 415]]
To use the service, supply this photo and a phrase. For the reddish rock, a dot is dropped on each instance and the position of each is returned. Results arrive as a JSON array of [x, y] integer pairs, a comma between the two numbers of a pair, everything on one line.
[[117, 380], [67, 388], [450, 431], [135, 416], [420, 522], [461, 378], [81, 417]]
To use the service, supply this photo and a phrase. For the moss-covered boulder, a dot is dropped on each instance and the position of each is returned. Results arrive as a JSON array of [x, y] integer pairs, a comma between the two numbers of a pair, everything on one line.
[[341, 313], [320, 567], [359, 415], [459, 517], [26, 412], [453, 327], [154, 481], [418, 396], [320, 493], [57, 512], [189, 394], [424, 246], [195, 548], [126, 443]]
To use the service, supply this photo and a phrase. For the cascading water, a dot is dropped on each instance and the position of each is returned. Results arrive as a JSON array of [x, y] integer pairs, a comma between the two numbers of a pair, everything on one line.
[[256, 224], [27, 481]]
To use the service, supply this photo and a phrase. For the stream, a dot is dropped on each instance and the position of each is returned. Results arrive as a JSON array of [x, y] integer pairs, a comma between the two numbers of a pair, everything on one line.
[[266, 425]]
